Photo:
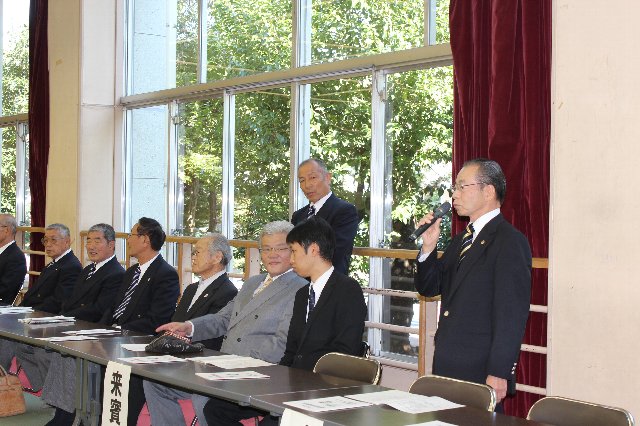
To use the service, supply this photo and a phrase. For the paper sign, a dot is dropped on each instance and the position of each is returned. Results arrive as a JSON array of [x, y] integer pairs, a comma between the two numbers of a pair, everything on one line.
[[115, 402]]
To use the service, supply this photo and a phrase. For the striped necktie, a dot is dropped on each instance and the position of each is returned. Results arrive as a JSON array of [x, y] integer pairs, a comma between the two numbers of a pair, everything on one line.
[[311, 211], [127, 296], [92, 270], [467, 239], [312, 300]]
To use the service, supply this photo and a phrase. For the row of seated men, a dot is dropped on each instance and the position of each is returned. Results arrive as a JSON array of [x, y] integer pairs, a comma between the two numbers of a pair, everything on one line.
[[274, 317]]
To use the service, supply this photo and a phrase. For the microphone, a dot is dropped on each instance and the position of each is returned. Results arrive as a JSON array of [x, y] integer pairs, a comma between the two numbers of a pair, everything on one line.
[[437, 214]]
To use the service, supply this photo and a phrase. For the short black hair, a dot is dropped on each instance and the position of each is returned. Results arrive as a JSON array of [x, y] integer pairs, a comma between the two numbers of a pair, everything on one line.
[[314, 230], [490, 173], [152, 229]]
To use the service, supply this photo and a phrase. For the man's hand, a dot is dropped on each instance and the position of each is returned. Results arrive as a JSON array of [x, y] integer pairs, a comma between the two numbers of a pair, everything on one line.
[[499, 385], [181, 328], [431, 235]]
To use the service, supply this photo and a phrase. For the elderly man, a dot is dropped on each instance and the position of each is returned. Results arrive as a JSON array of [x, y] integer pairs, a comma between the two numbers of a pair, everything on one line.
[[484, 278], [146, 299], [13, 266], [315, 182], [253, 324]]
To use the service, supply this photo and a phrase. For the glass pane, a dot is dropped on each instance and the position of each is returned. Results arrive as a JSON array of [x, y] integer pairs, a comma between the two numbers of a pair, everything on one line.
[[26, 191], [341, 136], [404, 312], [163, 44], [247, 36], [442, 21], [200, 167], [14, 77], [420, 136], [343, 29], [262, 168], [8, 170], [147, 162]]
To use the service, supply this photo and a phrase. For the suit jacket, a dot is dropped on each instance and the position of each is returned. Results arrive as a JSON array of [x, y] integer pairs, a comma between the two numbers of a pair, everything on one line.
[[485, 302], [254, 326], [343, 218], [13, 268], [91, 298], [215, 297], [153, 302], [54, 284], [335, 324]]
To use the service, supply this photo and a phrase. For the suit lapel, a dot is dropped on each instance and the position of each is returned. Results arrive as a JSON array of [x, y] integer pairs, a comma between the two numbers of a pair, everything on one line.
[[207, 295], [325, 296], [145, 280], [257, 301], [185, 301], [327, 207], [475, 252]]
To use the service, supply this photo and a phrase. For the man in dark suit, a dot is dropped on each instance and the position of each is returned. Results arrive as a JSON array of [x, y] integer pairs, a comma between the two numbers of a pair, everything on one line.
[[484, 278], [54, 283], [94, 292], [328, 313], [315, 182], [13, 266], [56, 280], [146, 299]]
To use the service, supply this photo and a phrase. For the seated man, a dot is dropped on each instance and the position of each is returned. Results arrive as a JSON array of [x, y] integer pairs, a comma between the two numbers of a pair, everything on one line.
[[254, 324], [146, 299], [13, 266], [328, 313], [54, 283], [94, 292]]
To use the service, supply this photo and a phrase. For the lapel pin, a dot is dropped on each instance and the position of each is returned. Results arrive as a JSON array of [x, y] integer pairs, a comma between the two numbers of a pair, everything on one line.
[[482, 242], [206, 295]]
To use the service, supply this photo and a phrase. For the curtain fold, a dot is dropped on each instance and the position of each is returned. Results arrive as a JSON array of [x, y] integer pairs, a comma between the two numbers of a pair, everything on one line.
[[502, 106], [38, 121]]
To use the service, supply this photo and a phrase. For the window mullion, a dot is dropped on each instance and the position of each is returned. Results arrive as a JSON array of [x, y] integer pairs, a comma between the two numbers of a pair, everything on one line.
[[228, 155]]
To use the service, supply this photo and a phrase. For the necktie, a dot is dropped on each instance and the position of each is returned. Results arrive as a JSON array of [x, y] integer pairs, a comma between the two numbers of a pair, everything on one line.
[[127, 296], [467, 239], [312, 299], [311, 211], [268, 281], [92, 270]]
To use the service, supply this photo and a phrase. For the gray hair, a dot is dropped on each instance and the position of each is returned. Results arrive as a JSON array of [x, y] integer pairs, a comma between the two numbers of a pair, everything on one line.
[[107, 231], [218, 242], [321, 164], [490, 173], [10, 222], [63, 230], [276, 227]]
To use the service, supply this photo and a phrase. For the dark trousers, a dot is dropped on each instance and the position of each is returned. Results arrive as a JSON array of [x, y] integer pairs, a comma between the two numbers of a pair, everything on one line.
[[219, 412]]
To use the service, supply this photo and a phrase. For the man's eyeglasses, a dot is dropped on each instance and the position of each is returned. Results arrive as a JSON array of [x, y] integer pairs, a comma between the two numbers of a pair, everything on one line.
[[277, 250], [134, 235], [461, 187], [52, 240]]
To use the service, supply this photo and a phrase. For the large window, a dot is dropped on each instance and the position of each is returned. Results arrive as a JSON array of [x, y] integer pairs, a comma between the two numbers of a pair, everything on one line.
[[254, 87]]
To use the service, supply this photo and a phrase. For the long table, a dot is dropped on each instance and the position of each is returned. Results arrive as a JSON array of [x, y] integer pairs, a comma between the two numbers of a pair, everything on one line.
[[284, 383]]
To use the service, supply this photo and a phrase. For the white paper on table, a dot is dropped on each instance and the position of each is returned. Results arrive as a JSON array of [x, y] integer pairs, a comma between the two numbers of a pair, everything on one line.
[[91, 331], [332, 403], [422, 404], [16, 310], [134, 347], [294, 418], [229, 362], [233, 375], [46, 320], [67, 338], [433, 423], [155, 359], [380, 397]]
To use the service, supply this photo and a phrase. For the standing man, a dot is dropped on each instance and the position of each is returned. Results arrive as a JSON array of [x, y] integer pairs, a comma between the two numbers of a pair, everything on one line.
[[146, 299], [55, 283], [253, 324], [484, 278], [13, 266], [315, 182]]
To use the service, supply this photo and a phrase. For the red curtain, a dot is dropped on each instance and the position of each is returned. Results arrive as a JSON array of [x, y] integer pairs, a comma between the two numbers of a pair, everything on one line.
[[502, 79], [38, 120]]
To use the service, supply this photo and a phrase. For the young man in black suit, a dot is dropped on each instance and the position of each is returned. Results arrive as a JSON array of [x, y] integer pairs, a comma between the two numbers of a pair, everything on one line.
[[145, 300], [13, 266], [315, 182], [484, 278]]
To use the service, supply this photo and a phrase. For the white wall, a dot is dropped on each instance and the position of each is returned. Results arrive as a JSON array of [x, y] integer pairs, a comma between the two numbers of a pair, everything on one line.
[[595, 199]]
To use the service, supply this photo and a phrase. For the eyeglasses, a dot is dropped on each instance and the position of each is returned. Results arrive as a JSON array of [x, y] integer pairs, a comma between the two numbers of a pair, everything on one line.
[[135, 235], [461, 187], [276, 250], [51, 240]]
